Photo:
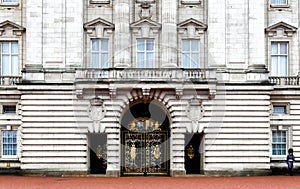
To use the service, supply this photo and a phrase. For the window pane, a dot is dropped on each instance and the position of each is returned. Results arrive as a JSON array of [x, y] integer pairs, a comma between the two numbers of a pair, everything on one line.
[[195, 45], [274, 48], [104, 45], [5, 65], [5, 47], [195, 60], [150, 60], [95, 60], [95, 45], [14, 47], [150, 45], [140, 45], [104, 60], [14, 65], [279, 109], [185, 45], [283, 66], [274, 66], [9, 1], [283, 48], [140, 60], [9, 143], [185, 60]]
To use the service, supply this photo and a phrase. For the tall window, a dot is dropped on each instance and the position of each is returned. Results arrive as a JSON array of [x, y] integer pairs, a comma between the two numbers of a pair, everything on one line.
[[191, 53], [99, 53], [9, 58], [9, 144], [279, 142], [145, 53], [279, 2], [279, 59]]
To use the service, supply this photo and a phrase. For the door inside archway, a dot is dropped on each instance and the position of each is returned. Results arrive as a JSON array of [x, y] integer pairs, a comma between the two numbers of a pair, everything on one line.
[[145, 144]]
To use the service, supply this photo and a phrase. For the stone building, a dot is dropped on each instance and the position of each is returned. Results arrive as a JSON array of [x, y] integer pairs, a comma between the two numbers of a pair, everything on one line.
[[148, 87]]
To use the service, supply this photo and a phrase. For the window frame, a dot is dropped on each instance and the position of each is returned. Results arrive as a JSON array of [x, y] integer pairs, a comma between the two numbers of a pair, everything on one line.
[[275, 5], [285, 143], [145, 52], [2, 145], [289, 139], [100, 53], [190, 52], [11, 54], [278, 55]]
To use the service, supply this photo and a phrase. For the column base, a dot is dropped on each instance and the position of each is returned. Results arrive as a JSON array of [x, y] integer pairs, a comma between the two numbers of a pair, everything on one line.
[[177, 173], [113, 173]]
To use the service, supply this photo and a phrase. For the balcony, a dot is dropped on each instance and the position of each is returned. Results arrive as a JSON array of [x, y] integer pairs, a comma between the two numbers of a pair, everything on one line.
[[285, 80], [10, 80], [146, 74]]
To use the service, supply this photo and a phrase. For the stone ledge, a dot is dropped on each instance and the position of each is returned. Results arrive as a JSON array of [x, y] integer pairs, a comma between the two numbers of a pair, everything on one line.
[[250, 172], [177, 173]]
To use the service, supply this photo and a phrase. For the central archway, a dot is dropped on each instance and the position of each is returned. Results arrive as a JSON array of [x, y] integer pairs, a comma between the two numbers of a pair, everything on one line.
[[145, 145]]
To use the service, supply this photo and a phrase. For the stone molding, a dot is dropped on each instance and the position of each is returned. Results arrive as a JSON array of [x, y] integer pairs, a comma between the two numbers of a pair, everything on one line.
[[281, 29], [6, 26]]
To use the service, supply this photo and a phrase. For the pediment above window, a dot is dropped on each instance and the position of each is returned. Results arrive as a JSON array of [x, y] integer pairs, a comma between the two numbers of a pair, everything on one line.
[[10, 29], [191, 27], [99, 27], [281, 29], [144, 27]]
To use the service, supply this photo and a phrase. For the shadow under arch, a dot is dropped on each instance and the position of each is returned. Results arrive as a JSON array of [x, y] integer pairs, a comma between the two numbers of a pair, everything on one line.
[[145, 131]]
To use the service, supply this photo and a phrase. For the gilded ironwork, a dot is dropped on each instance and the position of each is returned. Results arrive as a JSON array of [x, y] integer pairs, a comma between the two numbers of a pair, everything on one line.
[[133, 152], [190, 152], [157, 152], [99, 151]]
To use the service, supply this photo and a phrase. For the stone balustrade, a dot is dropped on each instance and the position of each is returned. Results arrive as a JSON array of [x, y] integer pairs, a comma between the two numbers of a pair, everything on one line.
[[10, 80], [145, 74], [285, 80]]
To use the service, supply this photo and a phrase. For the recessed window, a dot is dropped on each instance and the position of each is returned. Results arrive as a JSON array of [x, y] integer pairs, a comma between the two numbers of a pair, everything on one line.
[[279, 59], [279, 142], [99, 53], [190, 53], [279, 2], [8, 109], [9, 58], [9, 144], [10, 1], [145, 53], [279, 109]]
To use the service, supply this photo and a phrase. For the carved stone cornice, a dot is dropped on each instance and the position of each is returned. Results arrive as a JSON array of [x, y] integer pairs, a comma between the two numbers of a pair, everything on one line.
[[281, 29]]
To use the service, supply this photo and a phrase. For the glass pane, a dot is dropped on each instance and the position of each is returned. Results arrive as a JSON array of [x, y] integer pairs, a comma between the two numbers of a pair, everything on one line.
[[150, 45], [150, 60], [8, 1], [95, 45], [104, 60], [140, 44], [104, 45], [283, 48], [14, 66], [279, 109], [274, 48], [195, 60], [14, 47], [5, 47], [283, 66], [185, 45], [185, 60], [195, 45], [95, 60], [5, 66], [274, 66], [140, 60]]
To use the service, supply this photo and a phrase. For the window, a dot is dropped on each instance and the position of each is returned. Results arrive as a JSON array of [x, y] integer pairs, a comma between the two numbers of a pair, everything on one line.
[[145, 53], [9, 144], [279, 142], [279, 109], [99, 53], [8, 109], [9, 58], [191, 53], [279, 2], [279, 59]]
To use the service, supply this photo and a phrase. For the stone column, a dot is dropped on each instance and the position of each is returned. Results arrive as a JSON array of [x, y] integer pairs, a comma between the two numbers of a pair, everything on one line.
[[122, 42], [169, 34]]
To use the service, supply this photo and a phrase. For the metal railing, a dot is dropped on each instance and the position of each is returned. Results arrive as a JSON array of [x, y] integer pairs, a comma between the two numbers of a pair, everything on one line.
[[10, 80]]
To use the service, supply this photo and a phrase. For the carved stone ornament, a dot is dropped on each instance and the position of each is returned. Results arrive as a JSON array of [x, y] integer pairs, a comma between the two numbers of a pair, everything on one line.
[[96, 112], [194, 112]]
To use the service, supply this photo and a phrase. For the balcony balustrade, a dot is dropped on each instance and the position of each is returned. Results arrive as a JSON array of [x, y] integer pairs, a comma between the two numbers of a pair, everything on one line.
[[10, 80]]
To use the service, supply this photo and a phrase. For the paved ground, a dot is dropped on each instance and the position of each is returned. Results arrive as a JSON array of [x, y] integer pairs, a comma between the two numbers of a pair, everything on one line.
[[268, 182]]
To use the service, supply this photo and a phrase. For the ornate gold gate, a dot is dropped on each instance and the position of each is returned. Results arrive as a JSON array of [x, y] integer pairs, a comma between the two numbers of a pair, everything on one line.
[[145, 148]]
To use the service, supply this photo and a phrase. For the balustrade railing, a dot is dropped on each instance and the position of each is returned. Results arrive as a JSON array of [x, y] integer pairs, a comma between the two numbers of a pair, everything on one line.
[[145, 74], [10, 80], [285, 80]]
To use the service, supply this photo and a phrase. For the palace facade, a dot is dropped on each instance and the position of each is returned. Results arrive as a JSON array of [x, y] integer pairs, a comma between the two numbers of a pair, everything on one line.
[[149, 87]]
